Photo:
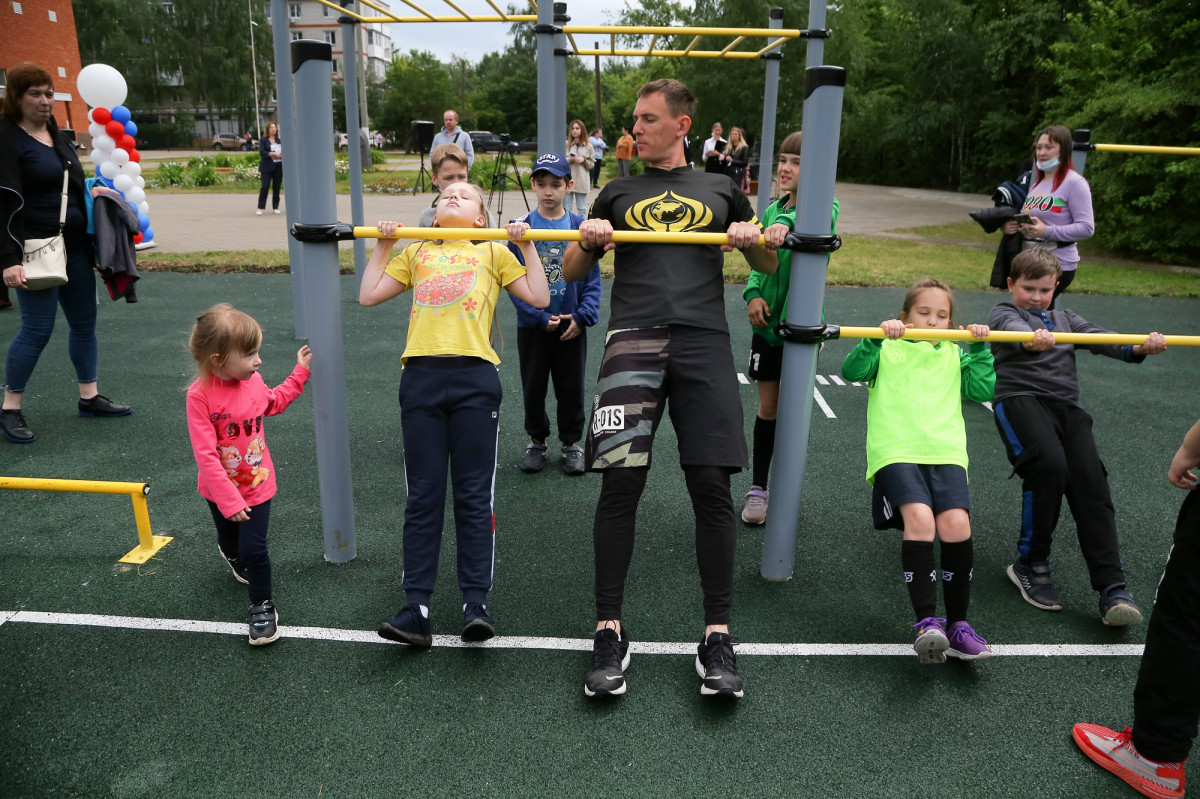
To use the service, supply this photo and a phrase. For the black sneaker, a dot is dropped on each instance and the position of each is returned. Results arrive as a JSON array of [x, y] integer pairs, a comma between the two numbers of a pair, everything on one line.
[[239, 571], [101, 405], [610, 658], [477, 624], [264, 623], [572, 460], [535, 457], [1117, 608], [409, 626], [1033, 580], [12, 424], [717, 666]]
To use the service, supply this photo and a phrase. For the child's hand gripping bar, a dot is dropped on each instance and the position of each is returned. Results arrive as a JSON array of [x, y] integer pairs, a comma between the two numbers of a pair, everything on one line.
[[340, 231]]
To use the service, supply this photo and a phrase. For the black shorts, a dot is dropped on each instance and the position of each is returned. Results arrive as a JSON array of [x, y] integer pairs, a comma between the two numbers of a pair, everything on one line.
[[766, 360], [643, 369], [942, 487]]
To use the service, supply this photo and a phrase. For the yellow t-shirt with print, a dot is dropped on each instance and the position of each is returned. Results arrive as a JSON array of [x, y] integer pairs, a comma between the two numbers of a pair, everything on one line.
[[455, 287]]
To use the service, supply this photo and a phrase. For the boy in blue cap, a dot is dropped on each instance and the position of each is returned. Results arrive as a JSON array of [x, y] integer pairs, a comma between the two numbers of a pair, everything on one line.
[[552, 342]]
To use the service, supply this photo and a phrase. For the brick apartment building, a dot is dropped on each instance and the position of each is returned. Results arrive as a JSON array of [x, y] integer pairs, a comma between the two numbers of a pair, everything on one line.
[[43, 31]]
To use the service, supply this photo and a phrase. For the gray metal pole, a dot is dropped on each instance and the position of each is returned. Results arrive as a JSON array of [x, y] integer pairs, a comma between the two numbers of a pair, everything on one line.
[[349, 84], [766, 141], [1081, 146], [824, 89], [545, 76], [289, 133], [562, 51], [816, 42], [313, 70]]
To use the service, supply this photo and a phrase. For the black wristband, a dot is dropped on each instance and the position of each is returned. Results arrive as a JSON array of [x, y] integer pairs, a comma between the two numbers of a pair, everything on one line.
[[585, 249]]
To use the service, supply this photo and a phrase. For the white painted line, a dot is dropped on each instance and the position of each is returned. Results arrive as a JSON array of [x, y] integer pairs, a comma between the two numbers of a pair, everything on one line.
[[837, 380], [829, 414], [821, 379], [5, 615], [743, 379], [856, 384], [988, 405], [560, 644]]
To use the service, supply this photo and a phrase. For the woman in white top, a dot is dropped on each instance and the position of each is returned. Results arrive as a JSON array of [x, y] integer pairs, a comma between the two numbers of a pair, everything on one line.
[[581, 156]]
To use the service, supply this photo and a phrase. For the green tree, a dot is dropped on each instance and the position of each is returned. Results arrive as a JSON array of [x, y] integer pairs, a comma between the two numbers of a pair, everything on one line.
[[416, 86]]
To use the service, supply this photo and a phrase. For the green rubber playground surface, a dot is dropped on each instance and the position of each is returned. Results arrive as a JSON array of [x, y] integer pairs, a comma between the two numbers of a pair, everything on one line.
[[94, 706]]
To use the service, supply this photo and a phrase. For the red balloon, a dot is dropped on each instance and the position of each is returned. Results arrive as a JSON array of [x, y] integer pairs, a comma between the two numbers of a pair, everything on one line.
[[102, 116], [134, 155], [126, 142], [137, 237], [114, 128]]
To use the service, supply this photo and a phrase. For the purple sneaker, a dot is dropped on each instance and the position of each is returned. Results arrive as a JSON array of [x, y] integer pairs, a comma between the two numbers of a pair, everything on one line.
[[932, 643], [966, 644], [755, 511]]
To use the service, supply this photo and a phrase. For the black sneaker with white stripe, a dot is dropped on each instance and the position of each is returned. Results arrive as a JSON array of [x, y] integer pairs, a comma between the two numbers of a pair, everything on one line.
[[717, 666], [610, 658], [239, 571], [264, 623]]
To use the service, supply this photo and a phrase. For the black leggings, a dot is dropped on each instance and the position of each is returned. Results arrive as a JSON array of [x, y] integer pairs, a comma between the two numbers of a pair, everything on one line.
[[716, 537]]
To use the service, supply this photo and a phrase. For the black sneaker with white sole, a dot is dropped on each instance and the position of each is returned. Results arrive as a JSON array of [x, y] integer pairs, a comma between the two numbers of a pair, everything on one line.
[[717, 666], [235, 565], [1033, 581], [610, 658], [264, 623]]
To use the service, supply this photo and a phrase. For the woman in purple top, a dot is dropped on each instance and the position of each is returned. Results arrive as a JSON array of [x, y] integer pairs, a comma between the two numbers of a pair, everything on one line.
[[1058, 206]]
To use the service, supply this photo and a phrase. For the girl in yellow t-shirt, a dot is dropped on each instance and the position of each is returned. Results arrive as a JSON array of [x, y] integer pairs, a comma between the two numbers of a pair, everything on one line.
[[450, 399]]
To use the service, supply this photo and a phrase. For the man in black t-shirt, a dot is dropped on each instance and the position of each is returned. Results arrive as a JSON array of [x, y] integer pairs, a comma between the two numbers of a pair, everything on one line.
[[668, 342]]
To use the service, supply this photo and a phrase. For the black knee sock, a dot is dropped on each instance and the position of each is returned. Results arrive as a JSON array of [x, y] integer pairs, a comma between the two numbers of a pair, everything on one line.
[[920, 576], [764, 449], [958, 559]]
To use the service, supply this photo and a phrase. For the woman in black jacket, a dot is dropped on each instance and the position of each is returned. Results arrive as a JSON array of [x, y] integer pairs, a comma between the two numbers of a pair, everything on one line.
[[270, 166], [33, 156], [736, 156]]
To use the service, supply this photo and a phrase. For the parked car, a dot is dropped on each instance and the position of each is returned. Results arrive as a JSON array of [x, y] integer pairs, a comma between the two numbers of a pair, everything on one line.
[[227, 141], [528, 145], [484, 141]]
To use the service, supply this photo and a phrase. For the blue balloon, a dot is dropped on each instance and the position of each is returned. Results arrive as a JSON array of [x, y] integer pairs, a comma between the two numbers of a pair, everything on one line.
[[121, 114], [108, 183], [143, 221], [130, 128], [147, 235]]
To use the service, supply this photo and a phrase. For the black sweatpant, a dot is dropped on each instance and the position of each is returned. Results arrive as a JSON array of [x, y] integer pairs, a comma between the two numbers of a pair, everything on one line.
[[545, 357], [1166, 701], [272, 179], [716, 537], [1050, 445], [247, 541]]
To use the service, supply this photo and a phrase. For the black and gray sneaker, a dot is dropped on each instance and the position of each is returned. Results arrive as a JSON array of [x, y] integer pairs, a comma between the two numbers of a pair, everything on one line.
[[1033, 580], [535, 457], [1117, 608], [264, 623], [610, 658], [409, 626], [239, 571], [571, 461], [477, 624], [717, 666]]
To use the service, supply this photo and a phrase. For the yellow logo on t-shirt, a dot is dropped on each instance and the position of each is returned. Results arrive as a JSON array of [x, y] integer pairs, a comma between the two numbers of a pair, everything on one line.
[[668, 213]]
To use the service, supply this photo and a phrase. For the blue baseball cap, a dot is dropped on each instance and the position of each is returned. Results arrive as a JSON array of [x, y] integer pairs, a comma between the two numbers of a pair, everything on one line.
[[553, 163]]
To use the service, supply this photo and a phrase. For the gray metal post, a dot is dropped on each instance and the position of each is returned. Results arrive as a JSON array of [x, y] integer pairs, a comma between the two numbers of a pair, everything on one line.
[[562, 51], [766, 141], [816, 42], [289, 133], [545, 77], [824, 89], [312, 65], [1081, 146], [350, 85]]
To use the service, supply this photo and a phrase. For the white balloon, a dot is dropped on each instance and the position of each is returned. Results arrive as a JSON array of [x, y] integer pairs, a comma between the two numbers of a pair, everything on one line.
[[101, 86], [144, 207], [90, 116], [109, 170], [97, 157], [139, 182], [135, 196], [123, 184], [133, 169], [96, 130], [104, 144], [120, 157]]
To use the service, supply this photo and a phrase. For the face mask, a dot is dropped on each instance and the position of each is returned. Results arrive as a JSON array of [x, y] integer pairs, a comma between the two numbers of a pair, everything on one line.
[[1048, 164]]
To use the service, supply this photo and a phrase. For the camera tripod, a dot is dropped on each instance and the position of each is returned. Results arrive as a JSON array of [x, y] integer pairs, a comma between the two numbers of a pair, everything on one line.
[[423, 177], [500, 178]]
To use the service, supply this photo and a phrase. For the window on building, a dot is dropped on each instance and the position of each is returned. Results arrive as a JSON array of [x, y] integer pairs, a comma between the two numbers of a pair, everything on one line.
[[330, 37], [53, 17], [325, 11], [62, 72], [297, 36], [294, 10], [336, 69], [370, 36], [168, 9], [268, 6], [17, 8]]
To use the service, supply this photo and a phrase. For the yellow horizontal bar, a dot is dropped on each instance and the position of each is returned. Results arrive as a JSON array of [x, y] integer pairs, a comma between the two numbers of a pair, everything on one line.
[[1147, 148], [638, 30], [668, 53], [488, 18], [85, 486], [1014, 336], [495, 234]]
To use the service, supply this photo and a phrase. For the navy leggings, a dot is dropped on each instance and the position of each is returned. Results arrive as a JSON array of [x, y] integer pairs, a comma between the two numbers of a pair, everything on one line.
[[248, 542]]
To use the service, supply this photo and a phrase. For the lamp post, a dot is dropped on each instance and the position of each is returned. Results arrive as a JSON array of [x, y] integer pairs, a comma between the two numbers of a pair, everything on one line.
[[254, 67]]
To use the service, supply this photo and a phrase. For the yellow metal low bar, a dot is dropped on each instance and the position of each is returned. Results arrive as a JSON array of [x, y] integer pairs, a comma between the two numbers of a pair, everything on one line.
[[495, 234], [639, 30], [148, 543], [1014, 336], [1147, 148]]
